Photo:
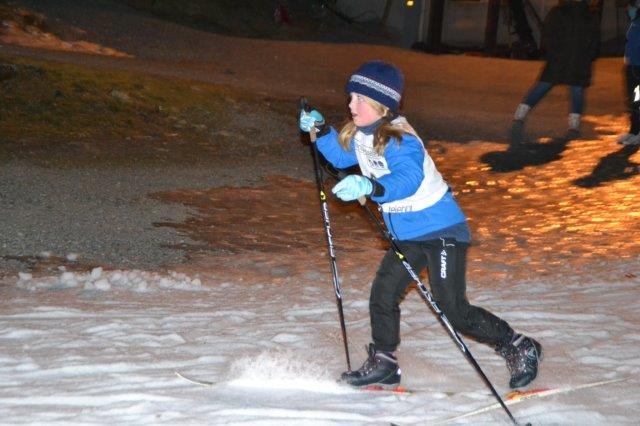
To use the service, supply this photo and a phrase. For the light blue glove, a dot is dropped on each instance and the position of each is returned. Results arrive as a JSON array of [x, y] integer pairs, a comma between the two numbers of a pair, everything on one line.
[[311, 119], [353, 187]]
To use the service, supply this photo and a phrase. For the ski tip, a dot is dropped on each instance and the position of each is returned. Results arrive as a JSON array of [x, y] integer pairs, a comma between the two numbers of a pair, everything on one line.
[[523, 394], [205, 383]]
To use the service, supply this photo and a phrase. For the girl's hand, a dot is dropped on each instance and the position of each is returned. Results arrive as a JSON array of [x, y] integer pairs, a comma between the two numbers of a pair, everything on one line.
[[311, 119], [353, 187]]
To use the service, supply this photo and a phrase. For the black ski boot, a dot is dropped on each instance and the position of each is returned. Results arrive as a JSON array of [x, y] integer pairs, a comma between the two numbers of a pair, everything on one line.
[[522, 355], [380, 368]]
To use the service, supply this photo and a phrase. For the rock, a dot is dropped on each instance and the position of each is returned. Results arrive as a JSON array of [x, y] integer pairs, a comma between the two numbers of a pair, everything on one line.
[[8, 71], [120, 95]]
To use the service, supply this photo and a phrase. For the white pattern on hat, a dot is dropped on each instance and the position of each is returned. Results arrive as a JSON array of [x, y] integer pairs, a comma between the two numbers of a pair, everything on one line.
[[385, 90]]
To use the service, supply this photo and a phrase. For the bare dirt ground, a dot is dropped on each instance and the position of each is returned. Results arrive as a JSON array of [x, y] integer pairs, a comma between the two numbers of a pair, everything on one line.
[[552, 210]]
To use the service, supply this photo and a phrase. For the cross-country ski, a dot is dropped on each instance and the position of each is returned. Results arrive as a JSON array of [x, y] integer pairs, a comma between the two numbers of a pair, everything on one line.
[[515, 397], [393, 390]]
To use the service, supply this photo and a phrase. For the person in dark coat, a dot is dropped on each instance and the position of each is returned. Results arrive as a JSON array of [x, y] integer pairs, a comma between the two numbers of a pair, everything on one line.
[[632, 75], [571, 35]]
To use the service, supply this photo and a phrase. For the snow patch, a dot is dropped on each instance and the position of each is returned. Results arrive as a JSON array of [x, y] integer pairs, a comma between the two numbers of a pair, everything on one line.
[[284, 370], [97, 279]]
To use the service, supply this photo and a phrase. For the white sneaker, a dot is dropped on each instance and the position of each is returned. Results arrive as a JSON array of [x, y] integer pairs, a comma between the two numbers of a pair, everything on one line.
[[622, 138], [629, 139], [574, 122], [521, 112]]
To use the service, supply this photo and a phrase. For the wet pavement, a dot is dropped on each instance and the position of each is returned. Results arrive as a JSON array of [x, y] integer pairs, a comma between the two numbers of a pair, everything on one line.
[[553, 208]]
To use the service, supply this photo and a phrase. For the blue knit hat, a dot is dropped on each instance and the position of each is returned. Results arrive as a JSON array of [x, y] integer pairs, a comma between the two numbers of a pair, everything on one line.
[[380, 81]]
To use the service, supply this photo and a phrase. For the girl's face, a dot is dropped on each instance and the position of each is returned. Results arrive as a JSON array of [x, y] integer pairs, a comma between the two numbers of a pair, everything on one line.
[[362, 110]]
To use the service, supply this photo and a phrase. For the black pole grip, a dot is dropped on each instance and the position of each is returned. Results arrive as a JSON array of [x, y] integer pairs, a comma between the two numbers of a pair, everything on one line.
[[303, 104]]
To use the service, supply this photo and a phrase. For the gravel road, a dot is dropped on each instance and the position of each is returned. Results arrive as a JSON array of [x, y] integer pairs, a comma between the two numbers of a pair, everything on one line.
[[97, 215], [107, 214]]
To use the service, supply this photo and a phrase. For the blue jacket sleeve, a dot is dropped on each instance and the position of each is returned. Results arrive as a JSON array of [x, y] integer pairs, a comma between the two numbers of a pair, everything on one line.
[[405, 162], [331, 149]]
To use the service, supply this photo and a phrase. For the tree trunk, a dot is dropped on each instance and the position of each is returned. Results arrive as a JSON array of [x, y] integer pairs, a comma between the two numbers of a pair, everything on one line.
[[491, 28], [385, 14], [436, 16]]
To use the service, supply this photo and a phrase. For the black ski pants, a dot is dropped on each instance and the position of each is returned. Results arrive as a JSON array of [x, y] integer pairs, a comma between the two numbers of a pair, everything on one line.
[[445, 260]]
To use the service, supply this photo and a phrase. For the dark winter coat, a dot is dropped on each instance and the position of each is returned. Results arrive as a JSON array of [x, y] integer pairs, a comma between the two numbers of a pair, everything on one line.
[[572, 40]]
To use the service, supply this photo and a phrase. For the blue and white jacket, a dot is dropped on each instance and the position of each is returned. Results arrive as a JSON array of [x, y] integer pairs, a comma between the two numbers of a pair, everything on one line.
[[417, 203]]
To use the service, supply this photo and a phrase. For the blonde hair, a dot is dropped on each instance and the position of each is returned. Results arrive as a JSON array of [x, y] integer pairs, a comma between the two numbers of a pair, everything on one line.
[[383, 134]]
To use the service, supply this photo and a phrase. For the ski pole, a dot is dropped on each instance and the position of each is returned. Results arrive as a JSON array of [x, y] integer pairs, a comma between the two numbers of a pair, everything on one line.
[[426, 294], [324, 208]]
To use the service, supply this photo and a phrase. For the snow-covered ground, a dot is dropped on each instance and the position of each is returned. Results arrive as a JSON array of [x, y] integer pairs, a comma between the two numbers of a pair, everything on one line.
[[103, 347]]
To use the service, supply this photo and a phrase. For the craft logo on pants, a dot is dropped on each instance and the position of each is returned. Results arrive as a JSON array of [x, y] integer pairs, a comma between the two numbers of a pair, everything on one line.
[[443, 264]]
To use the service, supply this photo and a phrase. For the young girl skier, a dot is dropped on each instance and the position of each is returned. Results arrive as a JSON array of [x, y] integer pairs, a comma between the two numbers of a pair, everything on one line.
[[421, 215]]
